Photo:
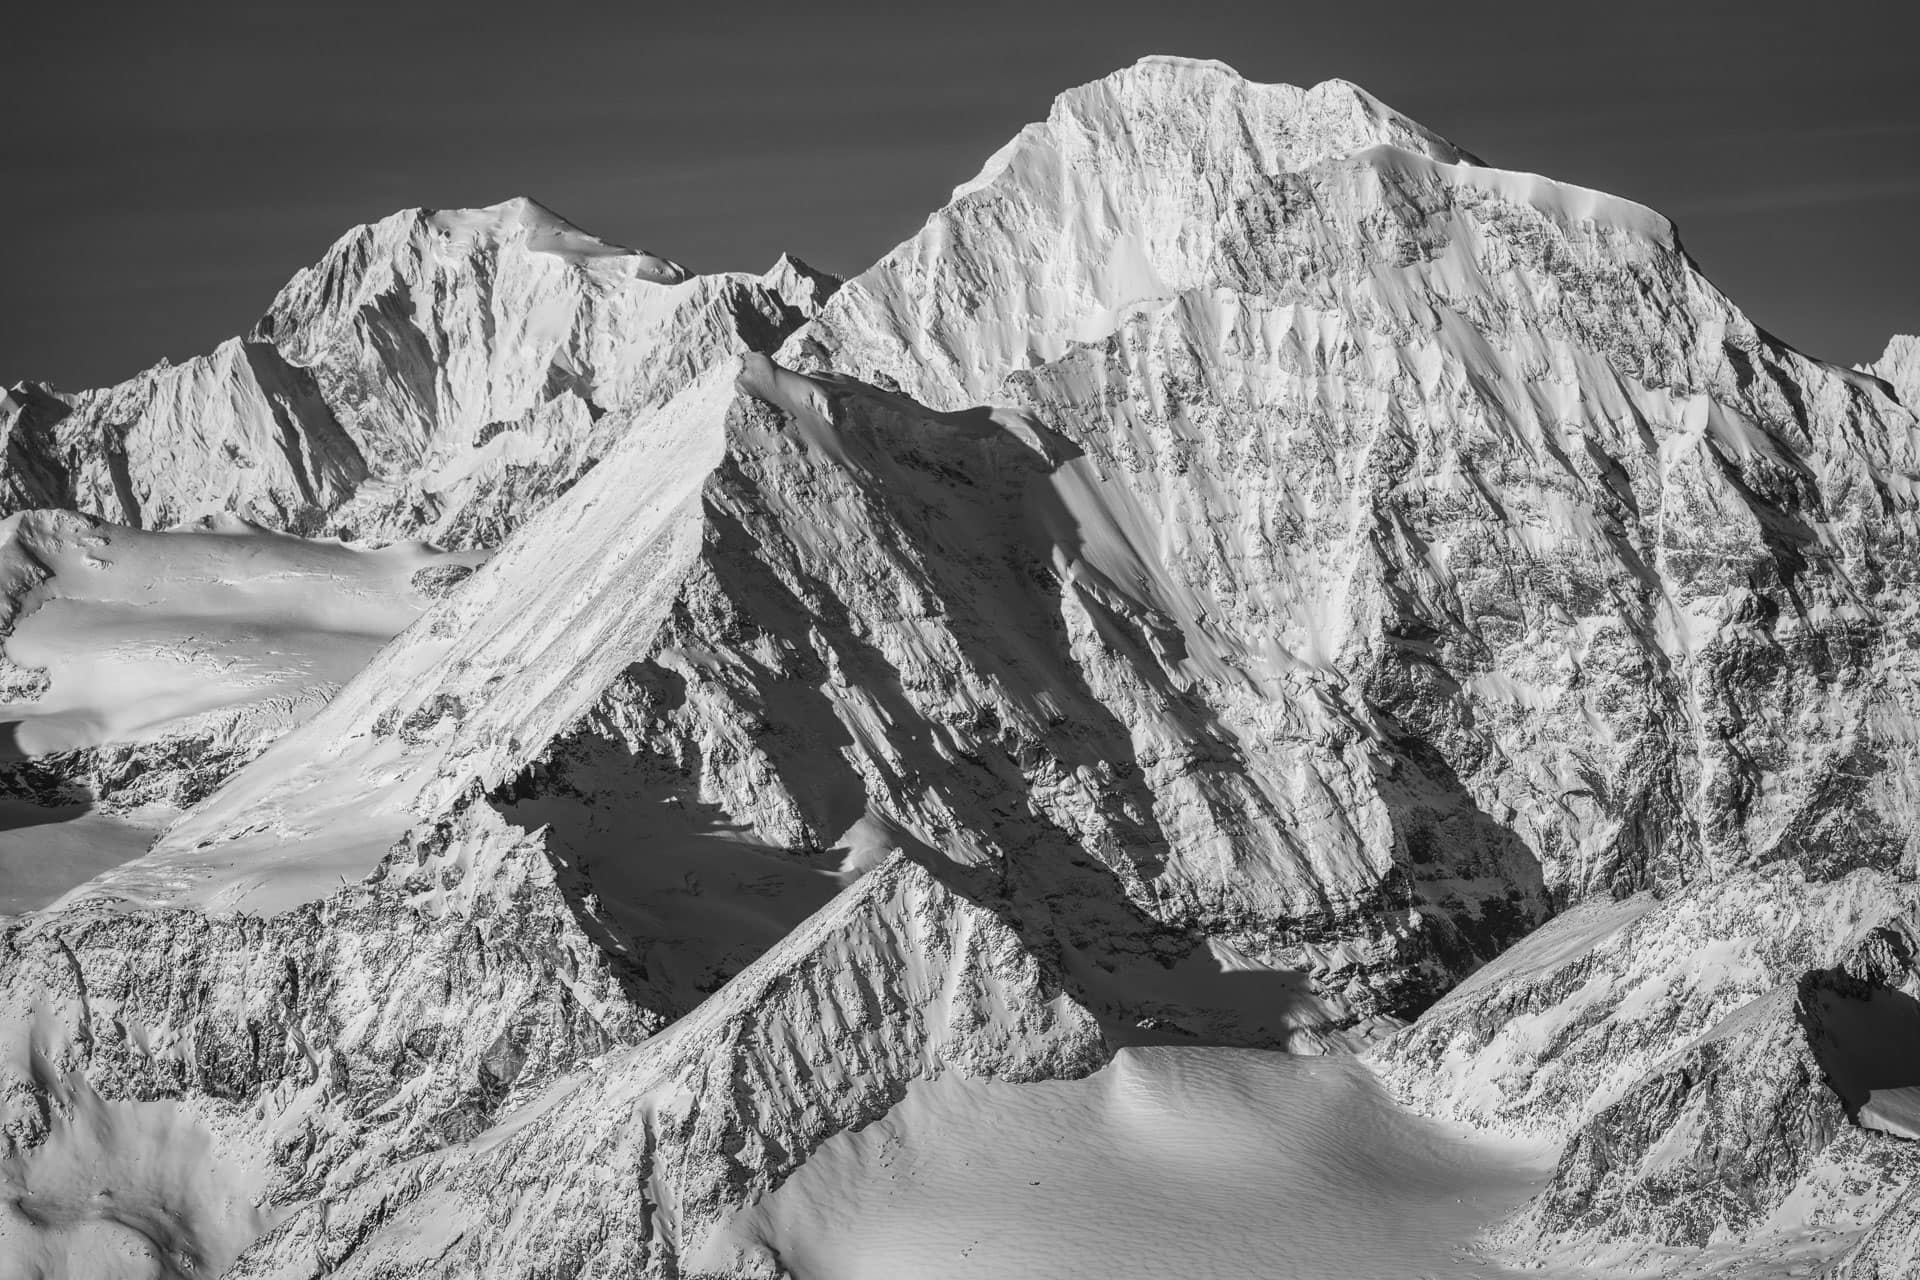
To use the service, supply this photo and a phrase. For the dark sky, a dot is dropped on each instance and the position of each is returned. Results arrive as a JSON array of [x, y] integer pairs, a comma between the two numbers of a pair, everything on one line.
[[167, 167]]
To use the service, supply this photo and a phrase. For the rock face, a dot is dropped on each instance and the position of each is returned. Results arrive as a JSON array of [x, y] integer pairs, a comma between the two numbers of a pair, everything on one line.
[[1242, 537], [439, 374]]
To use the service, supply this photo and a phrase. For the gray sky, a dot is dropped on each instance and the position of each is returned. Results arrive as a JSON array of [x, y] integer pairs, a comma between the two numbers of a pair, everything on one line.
[[167, 168]]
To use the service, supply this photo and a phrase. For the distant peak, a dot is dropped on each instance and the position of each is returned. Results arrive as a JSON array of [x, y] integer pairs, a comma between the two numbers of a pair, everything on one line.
[[527, 206], [1174, 62], [804, 288], [1286, 126], [520, 212], [545, 232], [1899, 367]]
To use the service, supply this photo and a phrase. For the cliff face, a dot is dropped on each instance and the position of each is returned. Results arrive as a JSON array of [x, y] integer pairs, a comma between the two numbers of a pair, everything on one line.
[[1241, 569]]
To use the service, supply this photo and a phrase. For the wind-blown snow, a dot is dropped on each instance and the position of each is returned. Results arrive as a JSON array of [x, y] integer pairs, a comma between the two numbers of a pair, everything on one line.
[[1166, 1162], [129, 1191]]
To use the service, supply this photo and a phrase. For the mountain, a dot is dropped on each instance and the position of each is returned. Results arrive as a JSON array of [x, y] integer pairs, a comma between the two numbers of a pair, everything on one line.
[[1248, 574], [436, 375], [141, 668], [439, 375], [898, 978], [1899, 367]]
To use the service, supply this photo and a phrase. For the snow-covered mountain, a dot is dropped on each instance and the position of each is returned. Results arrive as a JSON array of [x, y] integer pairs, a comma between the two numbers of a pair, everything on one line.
[[439, 375], [1248, 573], [1899, 367], [436, 375]]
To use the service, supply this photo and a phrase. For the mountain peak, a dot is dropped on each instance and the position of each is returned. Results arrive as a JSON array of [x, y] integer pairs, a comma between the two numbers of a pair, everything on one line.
[[1300, 126], [544, 231], [804, 287], [1135, 187], [1175, 63], [1899, 367]]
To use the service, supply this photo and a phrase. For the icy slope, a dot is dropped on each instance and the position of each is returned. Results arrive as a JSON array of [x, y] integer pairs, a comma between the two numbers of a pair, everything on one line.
[[439, 374]]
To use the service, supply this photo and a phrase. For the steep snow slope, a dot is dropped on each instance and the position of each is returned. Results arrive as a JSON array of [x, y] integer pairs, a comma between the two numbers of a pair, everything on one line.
[[439, 374], [1499, 461]]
